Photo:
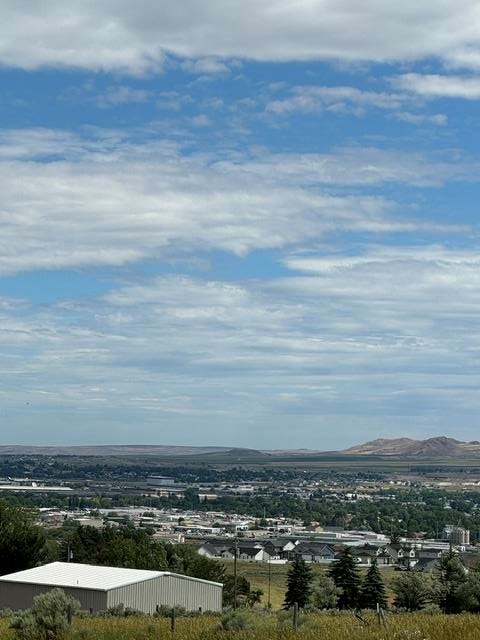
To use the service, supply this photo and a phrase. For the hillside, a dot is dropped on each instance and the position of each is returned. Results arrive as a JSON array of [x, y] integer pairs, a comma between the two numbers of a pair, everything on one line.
[[439, 446], [113, 450]]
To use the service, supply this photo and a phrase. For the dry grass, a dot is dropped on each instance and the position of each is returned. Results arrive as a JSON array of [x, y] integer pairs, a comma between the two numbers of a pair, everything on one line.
[[267, 627], [327, 627], [257, 574]]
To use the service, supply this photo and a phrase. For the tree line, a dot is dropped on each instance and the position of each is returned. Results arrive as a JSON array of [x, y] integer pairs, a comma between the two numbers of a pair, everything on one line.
[[450, 589], [412, 510]]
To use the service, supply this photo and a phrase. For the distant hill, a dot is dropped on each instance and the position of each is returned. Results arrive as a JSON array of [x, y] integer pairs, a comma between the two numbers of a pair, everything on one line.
[[439, 446], [112, 450], [225, 455]]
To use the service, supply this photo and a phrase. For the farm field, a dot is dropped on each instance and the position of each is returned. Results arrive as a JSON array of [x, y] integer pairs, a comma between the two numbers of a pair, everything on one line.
[[268, 627]]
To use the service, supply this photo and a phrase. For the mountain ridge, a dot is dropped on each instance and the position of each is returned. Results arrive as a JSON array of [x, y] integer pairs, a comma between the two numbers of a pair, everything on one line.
[[437, 446]]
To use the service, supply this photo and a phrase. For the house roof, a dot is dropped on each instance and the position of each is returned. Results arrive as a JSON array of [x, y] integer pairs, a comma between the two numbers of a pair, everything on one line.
[[430, 564], [365, 552], [312, 547], [250, 550], [86, 576]]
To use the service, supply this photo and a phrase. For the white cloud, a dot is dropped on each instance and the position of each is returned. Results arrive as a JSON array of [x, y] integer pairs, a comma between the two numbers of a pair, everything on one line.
[[116, 95], [439, 119], [173, 100], [201, 120], [107, 200], [307, 99], [389, 332], [433, 255], [350, 101], [205, 66], [355, 166], [440, 86], [118, 35]]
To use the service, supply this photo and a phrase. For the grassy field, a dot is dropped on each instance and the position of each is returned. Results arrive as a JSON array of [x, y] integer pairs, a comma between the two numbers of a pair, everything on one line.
[[257, 574], [268, 627]]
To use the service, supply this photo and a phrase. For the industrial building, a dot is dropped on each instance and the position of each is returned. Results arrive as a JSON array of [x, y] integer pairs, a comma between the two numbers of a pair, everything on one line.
[[99, 588]]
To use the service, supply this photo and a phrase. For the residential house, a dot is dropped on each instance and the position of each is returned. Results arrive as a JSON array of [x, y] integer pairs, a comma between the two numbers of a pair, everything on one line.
[[313, 552], [402, 554]]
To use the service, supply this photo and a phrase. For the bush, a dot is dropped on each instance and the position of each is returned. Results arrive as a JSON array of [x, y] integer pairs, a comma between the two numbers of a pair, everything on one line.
[[120, 611], [164, 611], [285, 618], [6, 613], [237, 621], [48, 618]]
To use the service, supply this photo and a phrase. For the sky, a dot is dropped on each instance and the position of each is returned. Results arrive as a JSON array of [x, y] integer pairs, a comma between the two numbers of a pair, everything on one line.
[[239, 223]]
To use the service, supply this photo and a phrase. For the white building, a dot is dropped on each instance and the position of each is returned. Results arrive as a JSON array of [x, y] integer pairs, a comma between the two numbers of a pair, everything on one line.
[[99, 588]]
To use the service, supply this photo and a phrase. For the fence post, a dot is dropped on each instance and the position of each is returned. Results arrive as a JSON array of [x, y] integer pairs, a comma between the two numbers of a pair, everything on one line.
[[295, 616], [173, 622]]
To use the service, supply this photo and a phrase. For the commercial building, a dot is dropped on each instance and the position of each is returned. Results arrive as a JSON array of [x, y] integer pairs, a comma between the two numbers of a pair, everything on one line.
[[460, 536], [160, 481], [99, 588]]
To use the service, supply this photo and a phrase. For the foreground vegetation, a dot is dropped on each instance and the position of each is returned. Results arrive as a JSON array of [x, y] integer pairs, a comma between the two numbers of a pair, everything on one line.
[[260, 626]]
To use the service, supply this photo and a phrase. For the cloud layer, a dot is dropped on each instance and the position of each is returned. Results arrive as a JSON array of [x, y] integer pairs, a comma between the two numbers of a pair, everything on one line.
[[106, 200], [341, 341], [121, 36]]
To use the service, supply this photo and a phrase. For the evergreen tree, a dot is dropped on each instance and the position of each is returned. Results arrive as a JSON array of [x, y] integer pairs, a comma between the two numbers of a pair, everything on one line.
[[243, 590], [373, 588], [452, 578], [299, 584], [344, 573]]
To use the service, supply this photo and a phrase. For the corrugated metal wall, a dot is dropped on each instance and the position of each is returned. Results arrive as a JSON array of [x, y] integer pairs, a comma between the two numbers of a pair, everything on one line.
[[17, 595], [169, 590]]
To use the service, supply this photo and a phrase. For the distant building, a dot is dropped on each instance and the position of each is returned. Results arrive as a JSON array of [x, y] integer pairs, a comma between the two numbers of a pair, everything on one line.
[[99, 588], [160, 481], [459, 536]]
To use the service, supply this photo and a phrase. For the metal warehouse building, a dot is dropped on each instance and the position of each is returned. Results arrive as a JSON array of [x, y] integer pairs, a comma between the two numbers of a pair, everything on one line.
[[99, 588]]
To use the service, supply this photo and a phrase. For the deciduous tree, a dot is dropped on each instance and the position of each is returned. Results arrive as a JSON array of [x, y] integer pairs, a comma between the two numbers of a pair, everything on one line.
[[411, 591], [21, 540]]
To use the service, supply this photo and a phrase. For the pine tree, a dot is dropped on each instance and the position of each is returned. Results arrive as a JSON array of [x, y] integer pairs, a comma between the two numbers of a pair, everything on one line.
[[452, 577], [373, 589], [299, 581], [344, 573]]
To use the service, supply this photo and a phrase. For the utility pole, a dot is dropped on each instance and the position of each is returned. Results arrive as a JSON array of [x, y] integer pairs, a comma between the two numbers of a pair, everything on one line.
[[235, 574], [269, 582]]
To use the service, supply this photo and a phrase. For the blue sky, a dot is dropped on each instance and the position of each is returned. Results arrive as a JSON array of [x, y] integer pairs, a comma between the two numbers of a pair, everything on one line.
[[248, 224]]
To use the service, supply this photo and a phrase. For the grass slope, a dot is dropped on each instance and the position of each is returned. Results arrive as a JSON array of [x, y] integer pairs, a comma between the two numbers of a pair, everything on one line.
[[267, 627], [257, 574]]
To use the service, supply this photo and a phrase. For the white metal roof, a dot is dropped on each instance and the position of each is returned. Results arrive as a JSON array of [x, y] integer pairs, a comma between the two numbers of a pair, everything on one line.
[[83, 576], [87, 576]]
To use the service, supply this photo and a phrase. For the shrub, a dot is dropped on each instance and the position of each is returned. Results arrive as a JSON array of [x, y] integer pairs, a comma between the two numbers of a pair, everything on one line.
[[120, 611], [48, 618], [237, 621], [164, 611]]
